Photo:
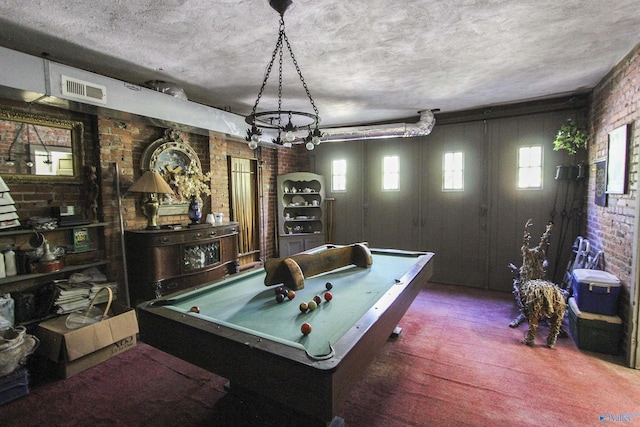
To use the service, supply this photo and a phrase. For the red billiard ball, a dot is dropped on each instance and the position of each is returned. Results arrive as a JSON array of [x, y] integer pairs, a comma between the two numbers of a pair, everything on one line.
[[303, 307], [278, 290], [305, 328], [195, 309], [328, 296], [291, 294], [329, 286], [312, 305], [317, 299], [279, 298]]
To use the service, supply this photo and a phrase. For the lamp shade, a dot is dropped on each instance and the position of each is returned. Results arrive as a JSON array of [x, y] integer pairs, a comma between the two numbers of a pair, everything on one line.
[[151, 182]]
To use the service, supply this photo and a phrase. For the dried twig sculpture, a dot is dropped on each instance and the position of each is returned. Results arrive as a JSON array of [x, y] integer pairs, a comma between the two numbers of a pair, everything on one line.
[[538, 298]]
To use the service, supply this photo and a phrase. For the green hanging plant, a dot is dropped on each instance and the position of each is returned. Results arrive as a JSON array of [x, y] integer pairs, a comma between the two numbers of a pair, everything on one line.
[[571, 138]]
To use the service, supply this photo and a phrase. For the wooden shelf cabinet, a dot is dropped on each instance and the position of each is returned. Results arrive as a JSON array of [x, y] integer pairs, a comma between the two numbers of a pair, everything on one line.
[[301, 222], [160, 262], [28, 281]]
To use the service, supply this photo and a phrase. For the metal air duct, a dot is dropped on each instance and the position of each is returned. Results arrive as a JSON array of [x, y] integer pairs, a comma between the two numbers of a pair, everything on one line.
[[422, 127]]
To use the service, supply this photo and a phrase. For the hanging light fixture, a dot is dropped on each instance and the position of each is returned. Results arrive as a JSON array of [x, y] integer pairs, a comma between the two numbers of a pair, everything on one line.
[[9, 160], [286, 122]]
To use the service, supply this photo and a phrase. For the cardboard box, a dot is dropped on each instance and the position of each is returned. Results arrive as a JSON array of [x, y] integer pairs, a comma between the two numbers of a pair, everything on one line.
[[595, 332], [75, 350], [596, 291]]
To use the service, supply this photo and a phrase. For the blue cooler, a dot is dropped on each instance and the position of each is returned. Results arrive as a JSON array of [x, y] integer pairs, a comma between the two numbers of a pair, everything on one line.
[[595, 332], [596, 291]]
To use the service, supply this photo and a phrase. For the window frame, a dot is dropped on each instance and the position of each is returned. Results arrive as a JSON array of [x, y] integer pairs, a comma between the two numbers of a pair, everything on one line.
[[519, 168], [444, 172], [384, 174], [333, 175]]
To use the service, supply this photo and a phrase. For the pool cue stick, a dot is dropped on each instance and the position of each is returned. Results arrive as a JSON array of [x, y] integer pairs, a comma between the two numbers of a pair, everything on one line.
[[122, 245]]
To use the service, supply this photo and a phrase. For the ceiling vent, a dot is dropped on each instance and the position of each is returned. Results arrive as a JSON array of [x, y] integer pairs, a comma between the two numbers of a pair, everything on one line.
[[82, 90]]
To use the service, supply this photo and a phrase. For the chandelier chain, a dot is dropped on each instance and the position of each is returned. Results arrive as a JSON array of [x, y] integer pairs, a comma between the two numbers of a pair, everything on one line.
[[268, 72], [280, 75], [295, 63]]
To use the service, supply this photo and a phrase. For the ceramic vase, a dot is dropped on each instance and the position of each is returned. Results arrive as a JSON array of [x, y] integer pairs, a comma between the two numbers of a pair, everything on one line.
[[194, 211]]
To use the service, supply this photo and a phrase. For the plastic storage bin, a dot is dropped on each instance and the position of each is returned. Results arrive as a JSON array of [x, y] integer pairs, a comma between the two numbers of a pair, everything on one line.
[[596, 291], [594, 332], [14, 386]]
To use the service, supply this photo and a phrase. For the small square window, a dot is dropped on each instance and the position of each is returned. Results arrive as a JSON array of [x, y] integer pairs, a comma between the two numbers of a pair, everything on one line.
[[453, 171], [530, 167], [390, 173], [339, 175]]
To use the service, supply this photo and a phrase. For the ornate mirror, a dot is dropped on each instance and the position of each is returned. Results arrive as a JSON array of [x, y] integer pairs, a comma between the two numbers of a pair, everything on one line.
[[36, 148], [170, 156]]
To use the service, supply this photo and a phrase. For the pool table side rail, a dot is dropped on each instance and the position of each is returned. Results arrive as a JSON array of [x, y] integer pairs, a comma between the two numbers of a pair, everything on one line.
[[278, 371]]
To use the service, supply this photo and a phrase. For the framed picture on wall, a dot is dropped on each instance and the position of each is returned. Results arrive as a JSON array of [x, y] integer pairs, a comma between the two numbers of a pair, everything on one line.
[[617, 160], [601, 182]]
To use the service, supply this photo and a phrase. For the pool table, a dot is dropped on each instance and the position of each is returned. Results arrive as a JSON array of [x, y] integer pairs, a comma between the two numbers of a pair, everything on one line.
[[244, 335]]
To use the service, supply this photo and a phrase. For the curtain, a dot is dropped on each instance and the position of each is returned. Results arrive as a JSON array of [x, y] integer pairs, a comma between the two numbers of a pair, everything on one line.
[[243, 202]]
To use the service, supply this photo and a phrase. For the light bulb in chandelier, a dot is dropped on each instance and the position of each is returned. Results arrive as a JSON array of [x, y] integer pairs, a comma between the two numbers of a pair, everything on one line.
[[289, 131], [289, 136], [253, 136], [310, 145], [314, 136]]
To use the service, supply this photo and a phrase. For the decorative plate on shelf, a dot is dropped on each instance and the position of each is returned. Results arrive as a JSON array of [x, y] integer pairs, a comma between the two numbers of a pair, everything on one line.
[[298, 200]]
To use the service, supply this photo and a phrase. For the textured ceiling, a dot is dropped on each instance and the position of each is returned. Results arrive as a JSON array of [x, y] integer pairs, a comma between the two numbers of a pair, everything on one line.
[[363, 60]]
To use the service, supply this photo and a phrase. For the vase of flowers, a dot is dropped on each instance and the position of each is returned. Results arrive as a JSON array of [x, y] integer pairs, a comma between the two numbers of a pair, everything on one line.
[[191, 185]]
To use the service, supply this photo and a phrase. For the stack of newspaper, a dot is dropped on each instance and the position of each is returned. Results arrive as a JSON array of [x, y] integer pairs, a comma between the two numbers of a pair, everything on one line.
[[81, 288], [72, 297]]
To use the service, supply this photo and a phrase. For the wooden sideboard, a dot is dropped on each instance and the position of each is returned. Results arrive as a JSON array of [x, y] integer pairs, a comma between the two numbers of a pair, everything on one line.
[[160, 262]]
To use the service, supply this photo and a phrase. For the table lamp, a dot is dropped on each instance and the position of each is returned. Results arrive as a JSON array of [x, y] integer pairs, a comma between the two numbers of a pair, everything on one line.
[[153, 184]]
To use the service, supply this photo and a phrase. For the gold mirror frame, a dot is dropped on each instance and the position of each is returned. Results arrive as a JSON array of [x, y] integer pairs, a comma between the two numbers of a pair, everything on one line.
[[169, 155], [76, 130]]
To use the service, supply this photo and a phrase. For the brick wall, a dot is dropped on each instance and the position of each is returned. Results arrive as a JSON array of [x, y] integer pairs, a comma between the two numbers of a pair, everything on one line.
[[111, 143], [616, 102]]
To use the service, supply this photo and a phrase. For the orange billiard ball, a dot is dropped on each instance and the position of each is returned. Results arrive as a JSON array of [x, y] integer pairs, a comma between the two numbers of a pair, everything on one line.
[[291, 294], [305, 328]]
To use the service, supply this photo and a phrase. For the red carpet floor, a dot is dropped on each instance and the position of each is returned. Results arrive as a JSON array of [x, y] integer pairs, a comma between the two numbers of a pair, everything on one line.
[[456, 363]]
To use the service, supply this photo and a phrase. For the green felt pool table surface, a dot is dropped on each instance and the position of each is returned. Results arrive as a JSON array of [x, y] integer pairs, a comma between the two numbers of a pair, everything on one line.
[[244, 302]]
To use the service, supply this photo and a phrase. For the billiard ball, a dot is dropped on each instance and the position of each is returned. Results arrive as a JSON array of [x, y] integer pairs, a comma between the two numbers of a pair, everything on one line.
[[329, 286], [195, 309], [305, 328], [279, 298], [317, 299], [328, 296], [278, 290], [312, 305], [291, 294], [303, 307]]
